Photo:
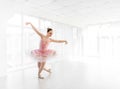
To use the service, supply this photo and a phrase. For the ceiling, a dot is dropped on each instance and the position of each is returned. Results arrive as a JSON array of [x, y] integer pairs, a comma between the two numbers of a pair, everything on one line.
[[75, 12]]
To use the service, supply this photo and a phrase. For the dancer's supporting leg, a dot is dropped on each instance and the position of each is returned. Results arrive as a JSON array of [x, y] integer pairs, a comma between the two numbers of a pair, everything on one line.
[[39, 64], [47, 70], [41, 67]]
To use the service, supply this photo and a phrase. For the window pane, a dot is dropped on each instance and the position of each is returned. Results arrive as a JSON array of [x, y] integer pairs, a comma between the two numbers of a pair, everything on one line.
[[117, 47], [106, 47], [14, 46], [33, 20], [15, 20], [90, 43]]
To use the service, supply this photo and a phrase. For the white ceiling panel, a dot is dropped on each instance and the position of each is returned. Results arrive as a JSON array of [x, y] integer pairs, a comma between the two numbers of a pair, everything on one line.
[[80, 11]]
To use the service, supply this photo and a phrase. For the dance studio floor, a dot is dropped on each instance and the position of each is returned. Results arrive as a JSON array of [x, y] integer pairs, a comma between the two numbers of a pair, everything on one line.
[[89, 73]]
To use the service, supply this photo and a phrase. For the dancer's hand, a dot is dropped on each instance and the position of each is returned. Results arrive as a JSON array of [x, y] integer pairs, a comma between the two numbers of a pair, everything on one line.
[[66, 42], [27, 23]]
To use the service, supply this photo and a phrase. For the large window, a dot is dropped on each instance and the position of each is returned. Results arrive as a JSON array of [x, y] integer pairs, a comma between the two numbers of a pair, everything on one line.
[[101, 40]]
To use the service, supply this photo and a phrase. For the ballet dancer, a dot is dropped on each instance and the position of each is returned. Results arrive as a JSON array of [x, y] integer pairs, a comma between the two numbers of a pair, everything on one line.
[[43, 53]]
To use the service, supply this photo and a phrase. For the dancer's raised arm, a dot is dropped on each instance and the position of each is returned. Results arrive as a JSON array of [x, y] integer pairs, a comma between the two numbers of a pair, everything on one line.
[[59, 41], [35, 29]]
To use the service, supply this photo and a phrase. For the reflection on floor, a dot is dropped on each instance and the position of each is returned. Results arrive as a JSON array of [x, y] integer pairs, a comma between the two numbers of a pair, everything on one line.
[[86, 74]]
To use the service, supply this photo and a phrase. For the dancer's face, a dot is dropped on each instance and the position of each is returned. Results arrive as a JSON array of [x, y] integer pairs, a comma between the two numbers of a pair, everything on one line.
[[50, 33]]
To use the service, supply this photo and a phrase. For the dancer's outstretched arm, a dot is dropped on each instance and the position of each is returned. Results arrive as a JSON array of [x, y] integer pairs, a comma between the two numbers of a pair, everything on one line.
[[59, 41], [35, 29]]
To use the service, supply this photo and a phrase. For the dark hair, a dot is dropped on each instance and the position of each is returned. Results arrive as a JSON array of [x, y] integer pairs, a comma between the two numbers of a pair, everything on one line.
[[49, 29]]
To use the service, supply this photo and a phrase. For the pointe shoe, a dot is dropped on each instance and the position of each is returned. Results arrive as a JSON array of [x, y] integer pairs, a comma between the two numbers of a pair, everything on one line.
[[49, 70], [40, 77]]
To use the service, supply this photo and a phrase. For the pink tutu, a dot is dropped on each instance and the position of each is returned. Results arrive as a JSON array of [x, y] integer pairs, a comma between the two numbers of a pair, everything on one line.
[[43, 54]]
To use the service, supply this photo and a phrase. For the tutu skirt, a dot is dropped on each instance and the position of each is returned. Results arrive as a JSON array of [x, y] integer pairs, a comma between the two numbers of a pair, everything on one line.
[[43, 55]]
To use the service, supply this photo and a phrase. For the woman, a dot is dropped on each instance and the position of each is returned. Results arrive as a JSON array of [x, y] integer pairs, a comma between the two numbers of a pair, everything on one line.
[[43, 52]]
